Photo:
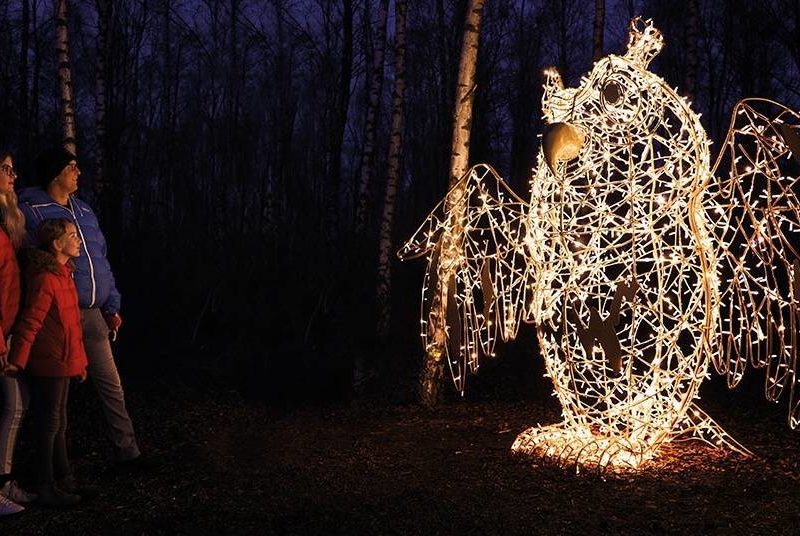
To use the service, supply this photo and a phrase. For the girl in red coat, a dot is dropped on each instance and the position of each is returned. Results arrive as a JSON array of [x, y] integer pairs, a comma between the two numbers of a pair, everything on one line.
[[48, 345], [13, 389]]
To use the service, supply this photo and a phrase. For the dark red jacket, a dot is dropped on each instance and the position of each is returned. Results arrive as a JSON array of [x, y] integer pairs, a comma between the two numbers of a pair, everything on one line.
[[48, 340], [9, 288]]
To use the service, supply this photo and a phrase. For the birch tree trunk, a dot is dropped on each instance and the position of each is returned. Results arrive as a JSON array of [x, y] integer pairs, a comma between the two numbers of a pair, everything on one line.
[[103, 14], [385, 247], [599, 28], [64, 76], [376, 86], [465, 92], [433, 368]]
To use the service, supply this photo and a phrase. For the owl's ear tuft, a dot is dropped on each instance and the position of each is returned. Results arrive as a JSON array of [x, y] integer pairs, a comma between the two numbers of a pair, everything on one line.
[[644, 42], [553, 86]]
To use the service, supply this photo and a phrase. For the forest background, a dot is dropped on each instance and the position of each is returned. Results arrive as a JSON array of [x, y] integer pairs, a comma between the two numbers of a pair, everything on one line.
[[227, 147]]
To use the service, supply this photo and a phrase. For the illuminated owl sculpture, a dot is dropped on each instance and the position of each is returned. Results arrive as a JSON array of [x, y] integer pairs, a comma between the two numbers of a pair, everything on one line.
[[637, 260]]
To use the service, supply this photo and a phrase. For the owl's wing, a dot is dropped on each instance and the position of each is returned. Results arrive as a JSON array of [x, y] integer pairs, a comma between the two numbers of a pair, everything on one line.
[[477, 269], [754, 214]]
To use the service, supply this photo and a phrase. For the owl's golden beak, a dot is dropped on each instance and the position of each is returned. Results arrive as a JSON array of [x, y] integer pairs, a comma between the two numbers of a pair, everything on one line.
[[562, 142]]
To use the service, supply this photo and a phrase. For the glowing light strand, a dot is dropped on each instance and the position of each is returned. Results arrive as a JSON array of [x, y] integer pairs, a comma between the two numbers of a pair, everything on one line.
[[636, 266]]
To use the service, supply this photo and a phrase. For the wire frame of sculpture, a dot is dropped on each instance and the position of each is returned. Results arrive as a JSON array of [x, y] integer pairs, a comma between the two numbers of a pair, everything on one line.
[[756, 217], [485, 278], [622, 259], [629, 331]]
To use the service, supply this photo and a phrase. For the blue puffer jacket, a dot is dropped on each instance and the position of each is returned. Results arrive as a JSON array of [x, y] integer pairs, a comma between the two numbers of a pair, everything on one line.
[[93, 276]]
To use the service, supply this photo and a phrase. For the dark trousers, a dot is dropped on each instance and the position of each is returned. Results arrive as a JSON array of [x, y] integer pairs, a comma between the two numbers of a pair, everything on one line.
[[49, 406]]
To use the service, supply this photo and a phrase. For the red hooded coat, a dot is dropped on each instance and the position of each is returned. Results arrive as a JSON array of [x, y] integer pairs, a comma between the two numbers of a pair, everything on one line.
[[9, 288], [48, 340]]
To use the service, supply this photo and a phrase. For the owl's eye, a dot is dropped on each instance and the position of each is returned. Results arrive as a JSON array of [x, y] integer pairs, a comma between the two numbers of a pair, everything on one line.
[[612, 92]]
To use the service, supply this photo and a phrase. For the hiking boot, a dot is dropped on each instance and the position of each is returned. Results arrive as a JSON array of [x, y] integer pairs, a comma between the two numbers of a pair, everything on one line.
[[13, 492], [51, 496], [9, 507]]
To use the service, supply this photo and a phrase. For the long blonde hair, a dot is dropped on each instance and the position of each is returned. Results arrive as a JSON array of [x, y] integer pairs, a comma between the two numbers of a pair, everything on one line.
[[11, 217]]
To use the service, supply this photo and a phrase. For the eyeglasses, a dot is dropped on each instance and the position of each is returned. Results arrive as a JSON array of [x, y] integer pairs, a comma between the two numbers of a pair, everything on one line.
[[8, 170], [72, 166]]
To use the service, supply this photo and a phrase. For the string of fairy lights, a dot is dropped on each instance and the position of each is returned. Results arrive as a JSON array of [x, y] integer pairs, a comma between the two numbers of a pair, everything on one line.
[[757, 219], [636, 265]]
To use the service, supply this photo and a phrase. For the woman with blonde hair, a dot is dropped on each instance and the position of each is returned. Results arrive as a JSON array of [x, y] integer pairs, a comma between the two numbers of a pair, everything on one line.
[[11, 218], [14, 389]]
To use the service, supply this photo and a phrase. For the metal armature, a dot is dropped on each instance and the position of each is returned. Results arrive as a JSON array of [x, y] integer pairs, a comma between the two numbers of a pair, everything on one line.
[[637, 265], [755, 215], [488, 281]]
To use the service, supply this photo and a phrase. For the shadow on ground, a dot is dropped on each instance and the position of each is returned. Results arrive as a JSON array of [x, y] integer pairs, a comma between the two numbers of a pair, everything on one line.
[[369, 467]]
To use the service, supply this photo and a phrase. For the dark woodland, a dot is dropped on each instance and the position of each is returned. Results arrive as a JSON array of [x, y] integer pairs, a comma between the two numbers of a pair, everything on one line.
[[224, 146]]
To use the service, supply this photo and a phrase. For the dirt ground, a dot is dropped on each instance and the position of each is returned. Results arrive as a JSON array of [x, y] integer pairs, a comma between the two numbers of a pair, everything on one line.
[[369, 467]]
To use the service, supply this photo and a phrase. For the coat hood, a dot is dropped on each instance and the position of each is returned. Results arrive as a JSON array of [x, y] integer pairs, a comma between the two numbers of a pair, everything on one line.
[[34, 195], [35, 260]]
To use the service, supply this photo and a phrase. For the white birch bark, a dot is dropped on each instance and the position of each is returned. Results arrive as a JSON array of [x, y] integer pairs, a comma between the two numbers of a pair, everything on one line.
[[433, 368], [465, 91], [385, 246], [65, 77], [375, 89]]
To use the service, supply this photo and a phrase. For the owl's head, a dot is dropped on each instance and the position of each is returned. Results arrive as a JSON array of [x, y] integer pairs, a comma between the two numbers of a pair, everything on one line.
[[619, 101]]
